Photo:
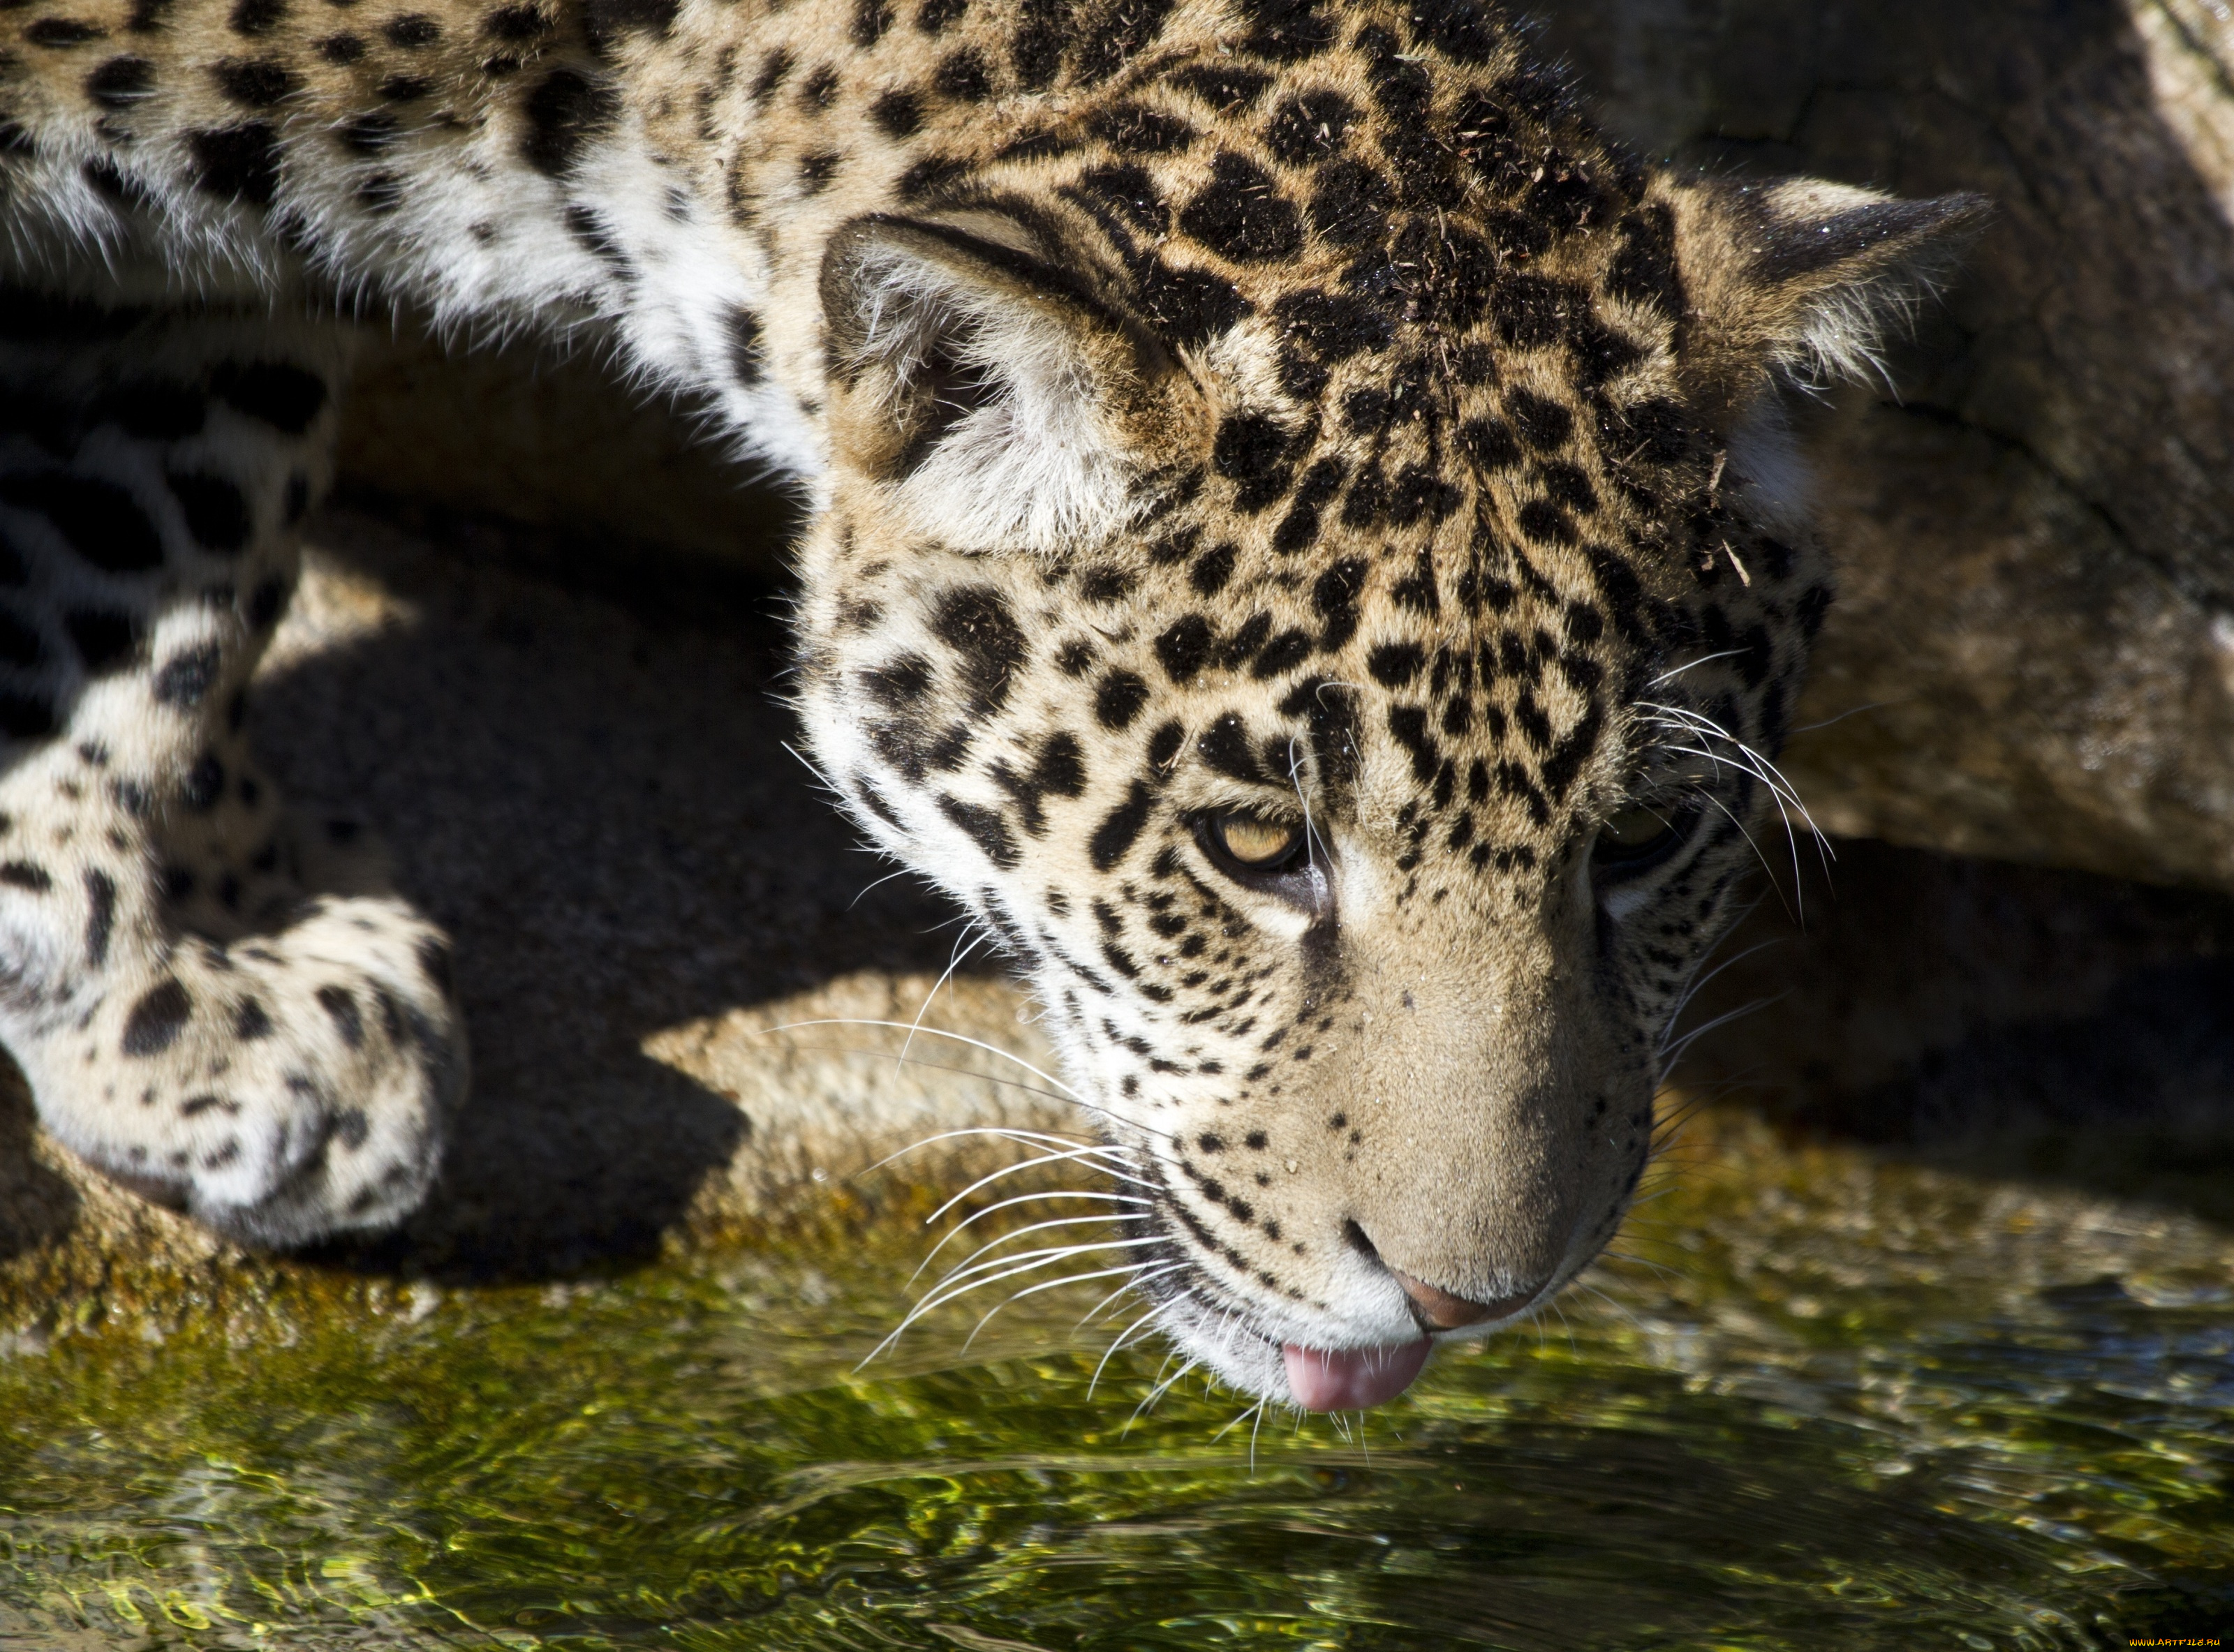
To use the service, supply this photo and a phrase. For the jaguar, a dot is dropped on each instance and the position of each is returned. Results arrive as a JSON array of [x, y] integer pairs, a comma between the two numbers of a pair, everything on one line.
[[1306, 548]]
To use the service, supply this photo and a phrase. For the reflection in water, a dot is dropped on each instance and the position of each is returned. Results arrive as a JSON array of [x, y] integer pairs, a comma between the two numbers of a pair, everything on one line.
[[1848, 1405]]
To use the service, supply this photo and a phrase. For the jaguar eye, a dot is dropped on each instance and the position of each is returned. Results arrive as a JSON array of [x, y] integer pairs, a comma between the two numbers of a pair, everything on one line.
[[1253, 843], [1640, 837]]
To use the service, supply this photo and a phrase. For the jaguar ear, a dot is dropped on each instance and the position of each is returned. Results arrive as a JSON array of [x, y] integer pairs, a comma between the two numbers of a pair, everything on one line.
[[1798, 282], [998, 403]]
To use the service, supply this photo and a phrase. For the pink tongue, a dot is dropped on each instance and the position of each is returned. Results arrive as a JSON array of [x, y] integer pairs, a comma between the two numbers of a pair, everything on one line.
[[1350, 1379]]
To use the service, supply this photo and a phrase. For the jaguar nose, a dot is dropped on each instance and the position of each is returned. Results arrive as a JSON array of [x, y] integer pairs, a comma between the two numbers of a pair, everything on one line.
[[1439, 1310], [1434, 1308]]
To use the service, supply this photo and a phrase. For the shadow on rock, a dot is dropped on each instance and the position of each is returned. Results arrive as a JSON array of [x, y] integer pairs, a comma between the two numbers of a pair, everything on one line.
[[36, 1207], [600, 806], [2003, 1020]]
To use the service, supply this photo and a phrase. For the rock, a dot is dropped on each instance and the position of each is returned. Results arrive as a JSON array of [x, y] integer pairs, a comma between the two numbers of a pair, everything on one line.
[[2032, 657], [2006, 1021], [552, 440], [833, 1083]]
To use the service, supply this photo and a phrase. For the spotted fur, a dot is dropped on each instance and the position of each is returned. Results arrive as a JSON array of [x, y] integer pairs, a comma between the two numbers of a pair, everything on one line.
[[1211, 405]]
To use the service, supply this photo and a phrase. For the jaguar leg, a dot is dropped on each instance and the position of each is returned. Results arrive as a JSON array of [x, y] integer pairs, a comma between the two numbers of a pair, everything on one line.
[[211, 1007]]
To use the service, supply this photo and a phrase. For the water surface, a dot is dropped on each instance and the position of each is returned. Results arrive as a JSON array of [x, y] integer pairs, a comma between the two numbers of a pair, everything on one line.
[[1835, 1402]]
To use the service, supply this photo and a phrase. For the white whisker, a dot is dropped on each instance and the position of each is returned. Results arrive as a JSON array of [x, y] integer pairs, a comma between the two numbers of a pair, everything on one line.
[[1174, 1266], [1614, 1303], [1782, 793], [1778, 795], [1767, 772], [1123, 1337], [995, 1244], [1091, 1155], [1241, 1418], [1853, 711], [1760, 766], [944, 1067], [1699, 979], [1049, 1284], [1692, 665], [1011, 1268], [1609, 1254], [999, 1132], [868, 889], [1743, 832], [1784, 798], [808, 763], [1566, 1326], [1030, 1199], [936, 1032], [959, 1282], [964, 944], [1673, 1054], [1154, 1394], [1311, 844]]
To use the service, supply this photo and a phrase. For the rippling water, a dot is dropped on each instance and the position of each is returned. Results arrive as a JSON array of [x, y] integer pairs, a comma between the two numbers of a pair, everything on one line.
[[1837, 1404]]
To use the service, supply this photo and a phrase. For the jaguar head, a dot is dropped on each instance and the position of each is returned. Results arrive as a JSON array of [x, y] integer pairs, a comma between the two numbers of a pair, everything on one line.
[[1343, 689]]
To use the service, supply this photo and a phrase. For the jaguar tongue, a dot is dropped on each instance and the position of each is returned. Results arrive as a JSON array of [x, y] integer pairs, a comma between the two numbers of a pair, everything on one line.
[[1349, 1379]]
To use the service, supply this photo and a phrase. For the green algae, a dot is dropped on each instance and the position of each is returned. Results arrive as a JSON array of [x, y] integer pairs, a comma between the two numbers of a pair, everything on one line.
[[1832, 1401]]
